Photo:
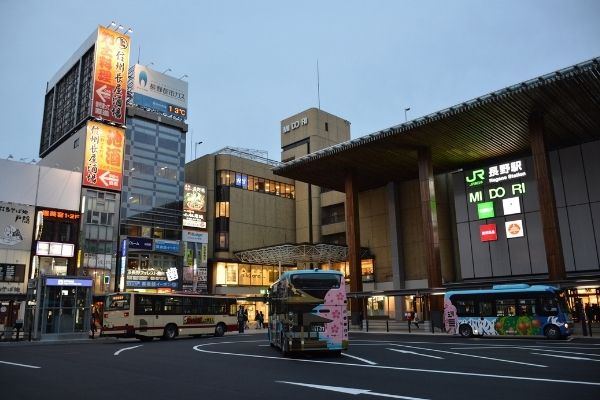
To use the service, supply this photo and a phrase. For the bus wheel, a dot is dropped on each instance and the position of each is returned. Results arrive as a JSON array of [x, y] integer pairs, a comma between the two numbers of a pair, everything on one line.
[[552, 332], [465, 330], [170, 332], [220, 330]]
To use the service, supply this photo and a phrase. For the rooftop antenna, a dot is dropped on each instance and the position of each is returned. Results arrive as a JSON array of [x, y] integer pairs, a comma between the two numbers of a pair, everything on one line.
[[318, 86]]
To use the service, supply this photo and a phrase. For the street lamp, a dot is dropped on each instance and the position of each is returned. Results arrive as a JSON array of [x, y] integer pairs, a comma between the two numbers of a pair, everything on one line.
[[167, 70], [196, 149], [184, 76], [405, 110]]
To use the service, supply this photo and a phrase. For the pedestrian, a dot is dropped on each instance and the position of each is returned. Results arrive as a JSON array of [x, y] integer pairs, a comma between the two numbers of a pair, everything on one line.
[[589, 316], [408, 316], [240, 319], [416, 319], [246, 325], [261, 319], [256, 318], [92, 327]]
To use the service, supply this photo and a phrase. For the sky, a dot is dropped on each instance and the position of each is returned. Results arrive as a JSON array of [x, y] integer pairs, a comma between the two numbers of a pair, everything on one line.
[[252, 63]]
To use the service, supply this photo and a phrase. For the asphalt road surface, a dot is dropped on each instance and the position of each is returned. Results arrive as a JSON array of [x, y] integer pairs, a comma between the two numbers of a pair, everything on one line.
[[399, 366]]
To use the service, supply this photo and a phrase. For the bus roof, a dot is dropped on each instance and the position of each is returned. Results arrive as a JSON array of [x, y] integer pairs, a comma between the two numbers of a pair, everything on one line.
[[508, 288]]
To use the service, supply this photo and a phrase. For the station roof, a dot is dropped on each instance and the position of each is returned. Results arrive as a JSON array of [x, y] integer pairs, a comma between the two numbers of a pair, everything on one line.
[[293, 254], [493, 126]]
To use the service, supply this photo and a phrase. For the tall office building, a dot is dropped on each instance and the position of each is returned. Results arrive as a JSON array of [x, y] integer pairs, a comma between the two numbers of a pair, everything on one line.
[[124, 128]]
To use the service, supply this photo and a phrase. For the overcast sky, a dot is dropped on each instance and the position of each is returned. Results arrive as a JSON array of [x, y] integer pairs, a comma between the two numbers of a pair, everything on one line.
[[252, 63]]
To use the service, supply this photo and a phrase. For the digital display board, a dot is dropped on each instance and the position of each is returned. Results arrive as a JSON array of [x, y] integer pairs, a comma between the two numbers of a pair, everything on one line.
[[194, 206]]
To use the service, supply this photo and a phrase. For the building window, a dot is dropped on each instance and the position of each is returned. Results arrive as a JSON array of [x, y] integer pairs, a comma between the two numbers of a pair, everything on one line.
[[326, 127], [333, 214], [222, 209], [222, 242]]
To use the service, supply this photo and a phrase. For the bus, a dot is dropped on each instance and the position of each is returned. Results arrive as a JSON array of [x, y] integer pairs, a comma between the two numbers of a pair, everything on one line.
[[508, 310], [308, 312], [167, 315]]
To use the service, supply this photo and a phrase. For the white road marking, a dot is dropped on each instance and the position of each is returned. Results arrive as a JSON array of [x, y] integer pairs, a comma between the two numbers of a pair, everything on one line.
[[347, 390], [127, 348], [569, 357], [19, 365], [415, 353], [474, 356], [359, 359], [431, 371]]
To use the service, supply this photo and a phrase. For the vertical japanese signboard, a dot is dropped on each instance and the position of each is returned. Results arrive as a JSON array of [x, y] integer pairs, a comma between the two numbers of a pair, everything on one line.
[[103, 163], [110, 75]]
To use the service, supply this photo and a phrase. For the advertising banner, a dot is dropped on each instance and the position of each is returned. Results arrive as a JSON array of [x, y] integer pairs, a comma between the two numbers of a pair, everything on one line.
[[16, 226], [194, 206], [159, 92], [103, 162], [110, 75]]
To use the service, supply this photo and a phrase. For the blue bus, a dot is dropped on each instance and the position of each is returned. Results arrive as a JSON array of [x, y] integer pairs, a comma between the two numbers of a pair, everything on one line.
[[508, 310]]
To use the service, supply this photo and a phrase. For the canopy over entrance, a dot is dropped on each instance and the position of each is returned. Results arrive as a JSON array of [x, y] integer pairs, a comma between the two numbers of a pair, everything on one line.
[[293, 254]]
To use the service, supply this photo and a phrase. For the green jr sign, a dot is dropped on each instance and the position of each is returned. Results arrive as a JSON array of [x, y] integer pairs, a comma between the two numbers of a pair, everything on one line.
[[485, 210]]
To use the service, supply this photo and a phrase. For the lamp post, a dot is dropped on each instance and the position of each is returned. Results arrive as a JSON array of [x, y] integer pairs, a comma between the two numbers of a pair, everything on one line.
[[405, 110], [196, 148]]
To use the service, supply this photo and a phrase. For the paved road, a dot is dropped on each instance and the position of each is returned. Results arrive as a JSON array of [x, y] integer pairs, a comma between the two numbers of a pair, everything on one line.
[[246, 367]]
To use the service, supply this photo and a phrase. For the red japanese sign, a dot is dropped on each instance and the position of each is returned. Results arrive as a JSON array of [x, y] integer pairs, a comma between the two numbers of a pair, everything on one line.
[[110, 75], [488, 232], [103, 163]]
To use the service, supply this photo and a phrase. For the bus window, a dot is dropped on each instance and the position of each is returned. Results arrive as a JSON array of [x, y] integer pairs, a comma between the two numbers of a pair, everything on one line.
[[465, 308], [144, 305], [505, 307], [117, 302], [486, 309], [549, 306], [526, 307]]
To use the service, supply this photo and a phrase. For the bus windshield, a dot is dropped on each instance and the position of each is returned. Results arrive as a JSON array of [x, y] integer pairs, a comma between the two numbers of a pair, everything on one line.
[[316, 281]]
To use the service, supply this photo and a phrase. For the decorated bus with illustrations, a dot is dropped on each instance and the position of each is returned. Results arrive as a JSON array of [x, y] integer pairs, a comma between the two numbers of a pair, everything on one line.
[[308, 312], [508, 310], [167, 315]]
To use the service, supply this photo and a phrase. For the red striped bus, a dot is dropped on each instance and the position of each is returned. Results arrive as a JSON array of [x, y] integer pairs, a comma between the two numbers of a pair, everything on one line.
[[146, 316]]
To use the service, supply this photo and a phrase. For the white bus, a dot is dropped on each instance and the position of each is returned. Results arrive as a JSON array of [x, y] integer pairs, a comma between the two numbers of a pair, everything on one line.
[[166, 315]]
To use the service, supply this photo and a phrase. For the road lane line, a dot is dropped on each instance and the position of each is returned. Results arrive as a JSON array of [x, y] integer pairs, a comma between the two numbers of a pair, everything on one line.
[[353, 391], [360, 359], [198, 348], [474, 356], [415, 353], [19, 365], [127, 348], [568, 357]]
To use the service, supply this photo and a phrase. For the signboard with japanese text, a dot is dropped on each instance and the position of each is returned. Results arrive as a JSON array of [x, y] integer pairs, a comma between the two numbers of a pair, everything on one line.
[[159, 92], [103, 162], [194, 206], [488, 232], [12, 272], [16, 226], [109, 91]]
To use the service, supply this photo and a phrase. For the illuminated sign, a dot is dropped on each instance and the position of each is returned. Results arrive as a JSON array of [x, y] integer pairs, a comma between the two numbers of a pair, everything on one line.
[[294, 125], [194, 236], [496, 173], [68, 282], [159, 92], [511, 205], [194, 206], [110, 75], [12, 272], [514, 228], [485, 210], [60, 214], [488, 232], [138, 243], [103, 163], [172, 274], [55, 249], [171, 246]]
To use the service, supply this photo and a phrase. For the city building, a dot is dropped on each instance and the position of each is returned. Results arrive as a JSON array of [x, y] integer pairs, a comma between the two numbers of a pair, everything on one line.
[[501, 188], [260, 225]]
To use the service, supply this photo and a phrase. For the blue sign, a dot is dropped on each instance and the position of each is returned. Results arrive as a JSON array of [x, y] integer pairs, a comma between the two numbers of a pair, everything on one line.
[[151, 284], [172, 246], [68, 282], [138, 243], [158, 105]]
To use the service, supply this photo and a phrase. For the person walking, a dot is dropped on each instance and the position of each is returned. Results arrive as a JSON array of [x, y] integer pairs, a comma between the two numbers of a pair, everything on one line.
[[415, 318], [241, 315], [408, 316], [261, 319], [92, 327]]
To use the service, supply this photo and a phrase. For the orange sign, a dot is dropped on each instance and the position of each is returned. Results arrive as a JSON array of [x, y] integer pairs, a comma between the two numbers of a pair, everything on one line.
[[110, 75], [103, 163]]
